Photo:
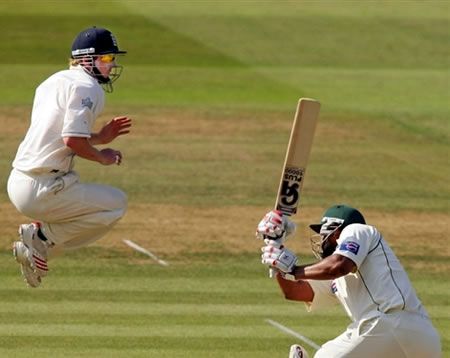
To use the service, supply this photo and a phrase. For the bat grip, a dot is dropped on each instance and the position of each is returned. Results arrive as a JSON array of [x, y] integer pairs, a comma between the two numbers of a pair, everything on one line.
[[272, 272]]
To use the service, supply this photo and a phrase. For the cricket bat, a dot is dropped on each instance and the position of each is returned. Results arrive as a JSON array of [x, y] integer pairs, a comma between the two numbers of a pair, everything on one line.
[[297, 154]]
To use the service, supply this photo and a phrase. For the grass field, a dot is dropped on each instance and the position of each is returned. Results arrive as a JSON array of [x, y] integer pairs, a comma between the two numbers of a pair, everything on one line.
[[212, 87]]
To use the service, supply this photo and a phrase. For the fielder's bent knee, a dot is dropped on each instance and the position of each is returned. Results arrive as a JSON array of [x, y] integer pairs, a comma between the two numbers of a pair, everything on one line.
[[121, 206], [122, 200], [117, 200]]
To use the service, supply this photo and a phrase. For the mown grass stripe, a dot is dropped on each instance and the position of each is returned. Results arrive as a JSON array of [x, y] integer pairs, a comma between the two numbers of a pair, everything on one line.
[[121, 343]]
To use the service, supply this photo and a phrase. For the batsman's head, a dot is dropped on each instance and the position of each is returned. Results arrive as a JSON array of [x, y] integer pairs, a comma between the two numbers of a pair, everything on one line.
[[333, 221], [96, 49]]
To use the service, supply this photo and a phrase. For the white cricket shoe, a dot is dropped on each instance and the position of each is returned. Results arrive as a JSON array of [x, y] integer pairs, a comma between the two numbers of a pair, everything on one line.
[[31, 253], [21, 254], [297, 351]]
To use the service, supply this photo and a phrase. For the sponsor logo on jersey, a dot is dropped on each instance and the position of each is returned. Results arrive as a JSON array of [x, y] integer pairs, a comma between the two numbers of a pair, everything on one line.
[[86, 102], [350, 246]]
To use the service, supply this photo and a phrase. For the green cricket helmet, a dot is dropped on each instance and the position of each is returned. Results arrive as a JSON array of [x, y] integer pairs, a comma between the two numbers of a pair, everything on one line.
[[335, 217], [338, 215]]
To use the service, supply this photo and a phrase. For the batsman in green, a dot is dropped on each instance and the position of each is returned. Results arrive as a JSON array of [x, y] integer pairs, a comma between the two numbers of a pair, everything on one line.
[[357, 269]]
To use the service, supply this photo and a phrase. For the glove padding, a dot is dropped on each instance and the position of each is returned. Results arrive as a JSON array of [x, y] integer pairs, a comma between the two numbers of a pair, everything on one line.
[[275, 226], [280, 257]]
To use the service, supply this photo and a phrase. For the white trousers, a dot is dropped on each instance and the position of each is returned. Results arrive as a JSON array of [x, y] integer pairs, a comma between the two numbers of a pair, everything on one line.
[[71, 214], [398, 334]]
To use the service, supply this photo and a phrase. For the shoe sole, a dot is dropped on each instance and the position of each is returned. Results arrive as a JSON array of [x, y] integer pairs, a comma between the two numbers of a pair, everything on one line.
[[29, 275]]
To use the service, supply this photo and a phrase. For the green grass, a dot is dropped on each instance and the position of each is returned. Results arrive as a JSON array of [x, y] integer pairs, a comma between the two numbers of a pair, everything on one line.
[[380, 70], [115, 307], [293, 37], [394, 165], [112, 307], [98, 303]]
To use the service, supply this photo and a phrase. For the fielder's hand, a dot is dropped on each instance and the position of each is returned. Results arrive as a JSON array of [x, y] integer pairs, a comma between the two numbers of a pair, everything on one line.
[[280, 258], [110, 156], [275, 226], [114, 128]]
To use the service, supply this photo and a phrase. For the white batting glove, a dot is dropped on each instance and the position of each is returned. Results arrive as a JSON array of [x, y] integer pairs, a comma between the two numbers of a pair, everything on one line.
[[275, 226], [280, 258]]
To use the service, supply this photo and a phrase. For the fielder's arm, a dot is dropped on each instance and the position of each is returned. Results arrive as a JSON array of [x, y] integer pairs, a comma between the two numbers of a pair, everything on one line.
[[83, 148]]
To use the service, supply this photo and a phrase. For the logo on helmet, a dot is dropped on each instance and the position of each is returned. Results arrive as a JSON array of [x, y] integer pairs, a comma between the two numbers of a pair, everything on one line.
[[114, 40]]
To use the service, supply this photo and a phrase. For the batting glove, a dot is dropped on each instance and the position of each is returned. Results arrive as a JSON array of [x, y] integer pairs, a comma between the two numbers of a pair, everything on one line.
[[275, 226], [280, 258]]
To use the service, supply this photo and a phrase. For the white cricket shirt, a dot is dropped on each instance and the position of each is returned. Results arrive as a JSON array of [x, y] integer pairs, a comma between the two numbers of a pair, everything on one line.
[[65, 105], [380, 284]]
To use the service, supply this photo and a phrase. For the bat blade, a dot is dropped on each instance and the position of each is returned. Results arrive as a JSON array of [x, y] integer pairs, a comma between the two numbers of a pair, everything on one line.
[[297, 154]]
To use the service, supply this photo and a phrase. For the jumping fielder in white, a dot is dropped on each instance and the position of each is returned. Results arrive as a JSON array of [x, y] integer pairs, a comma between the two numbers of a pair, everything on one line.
[[42, 185], [358, 269]]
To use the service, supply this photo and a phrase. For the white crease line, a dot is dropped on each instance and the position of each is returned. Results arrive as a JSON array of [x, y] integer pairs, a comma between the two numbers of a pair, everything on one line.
[[145, 251], [293, 333]]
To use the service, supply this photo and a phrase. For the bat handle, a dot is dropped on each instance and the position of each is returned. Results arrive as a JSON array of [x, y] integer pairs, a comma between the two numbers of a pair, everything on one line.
[[272, 272]]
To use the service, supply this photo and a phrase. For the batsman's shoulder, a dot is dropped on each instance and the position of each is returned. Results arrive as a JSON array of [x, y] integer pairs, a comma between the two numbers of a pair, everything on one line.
[[354, 229]]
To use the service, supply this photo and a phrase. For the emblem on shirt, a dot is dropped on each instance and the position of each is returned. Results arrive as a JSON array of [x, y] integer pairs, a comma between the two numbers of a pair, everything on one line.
[[86, 102], [350, 246], [333, 287]]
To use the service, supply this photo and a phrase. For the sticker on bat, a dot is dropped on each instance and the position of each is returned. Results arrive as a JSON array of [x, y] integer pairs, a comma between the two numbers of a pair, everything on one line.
[[290, 190]]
